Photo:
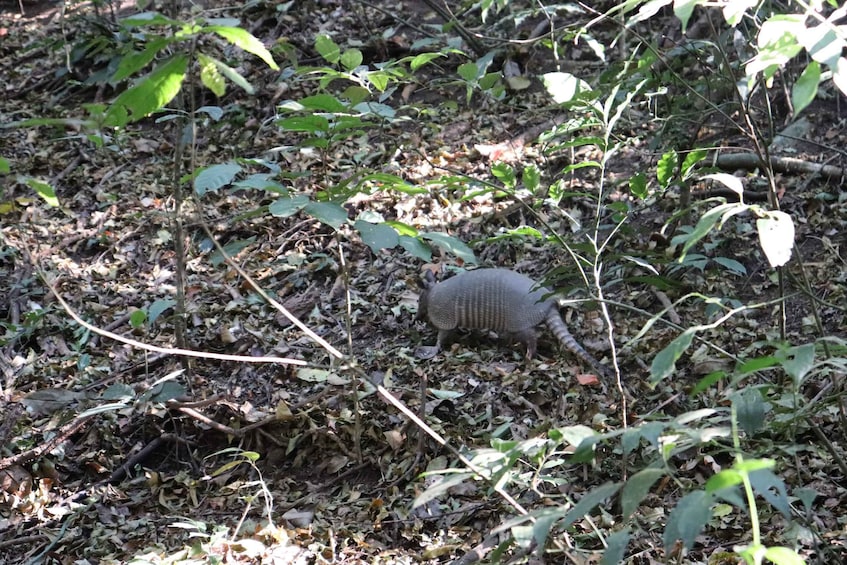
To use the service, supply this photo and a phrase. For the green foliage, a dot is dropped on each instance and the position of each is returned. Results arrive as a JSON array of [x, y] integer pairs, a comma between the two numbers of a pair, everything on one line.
[[780, 39], [167, 43], [32, 321], [475, 76], [542, 466], [327, 208], [354, 99], [592, 115], [326, 120], [155, 90], [43, 189]]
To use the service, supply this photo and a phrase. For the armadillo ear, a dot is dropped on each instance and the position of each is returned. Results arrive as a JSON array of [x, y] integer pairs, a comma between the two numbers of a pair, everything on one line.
[[428, 278]]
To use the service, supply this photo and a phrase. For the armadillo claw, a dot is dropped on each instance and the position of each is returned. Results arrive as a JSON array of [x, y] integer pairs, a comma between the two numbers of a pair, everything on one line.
[[426, 351]]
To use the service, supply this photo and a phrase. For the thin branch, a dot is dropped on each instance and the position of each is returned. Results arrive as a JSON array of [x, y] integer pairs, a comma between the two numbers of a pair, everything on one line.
[[167, 350]]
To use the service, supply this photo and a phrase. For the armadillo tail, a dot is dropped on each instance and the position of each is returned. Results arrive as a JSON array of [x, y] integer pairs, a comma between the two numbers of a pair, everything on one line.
[[560, 330]]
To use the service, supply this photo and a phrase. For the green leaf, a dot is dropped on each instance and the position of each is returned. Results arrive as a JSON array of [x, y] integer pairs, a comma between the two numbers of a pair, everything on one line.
[[665, 362], [210, 76], [451, 244], [758, 364], [723, 480], [772, 488], [214, 112], [540, 530], [231, 249], [707, 222], [310, 124], [137, 318], [505, 174], [215, 177], [807, 496], [383, 111], [823, 43], [731, 264], [288, 206], [734, 11], [580, 436], [751, 466], [243, 39], [158, 308], [666, 168], [328, 213], [531, 177], [355, 94], [327, 49], [630, 440], [687, 519], [262, 181], [43, 190], [468, 71], [732, 182], [615, 547], [587, 503], [637, 487], [638, 185], [149, 19], [422, 59], [582, 141], [691, 160], [233, 75], [798, 361], [403, 229], [564, 87], [387, 181], [415, 247], [150, 93], [652, 431], [377, 236], [5, 167], [683, 9], [324, 103], [135, 61], [778, 44], [118, 392], [839, 75], [165, 391], [351, 59], [706, 382], [489, 80], [750, 409], [806, 87]]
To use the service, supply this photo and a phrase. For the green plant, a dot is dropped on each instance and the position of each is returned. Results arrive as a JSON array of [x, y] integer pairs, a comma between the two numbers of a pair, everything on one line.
[[519, 467], [539, 468], [323, 122], [172, 50]]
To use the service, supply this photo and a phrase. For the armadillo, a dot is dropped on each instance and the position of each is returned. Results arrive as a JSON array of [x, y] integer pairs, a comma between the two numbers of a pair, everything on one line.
[[507, 302]]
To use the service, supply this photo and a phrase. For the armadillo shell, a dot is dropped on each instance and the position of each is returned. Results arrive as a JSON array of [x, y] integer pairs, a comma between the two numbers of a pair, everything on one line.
[[494, 299]]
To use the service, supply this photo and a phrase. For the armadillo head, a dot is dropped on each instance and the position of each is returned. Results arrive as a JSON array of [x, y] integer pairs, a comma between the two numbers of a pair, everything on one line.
[[423, 301]]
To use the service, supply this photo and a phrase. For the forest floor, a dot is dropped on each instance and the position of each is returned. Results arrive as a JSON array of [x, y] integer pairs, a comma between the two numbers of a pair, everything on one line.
[[169, 482]]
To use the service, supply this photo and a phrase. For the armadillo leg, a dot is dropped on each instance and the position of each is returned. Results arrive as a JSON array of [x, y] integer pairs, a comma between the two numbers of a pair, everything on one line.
[[444, 337], [430, 351], [529, 339], [426, 351]]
